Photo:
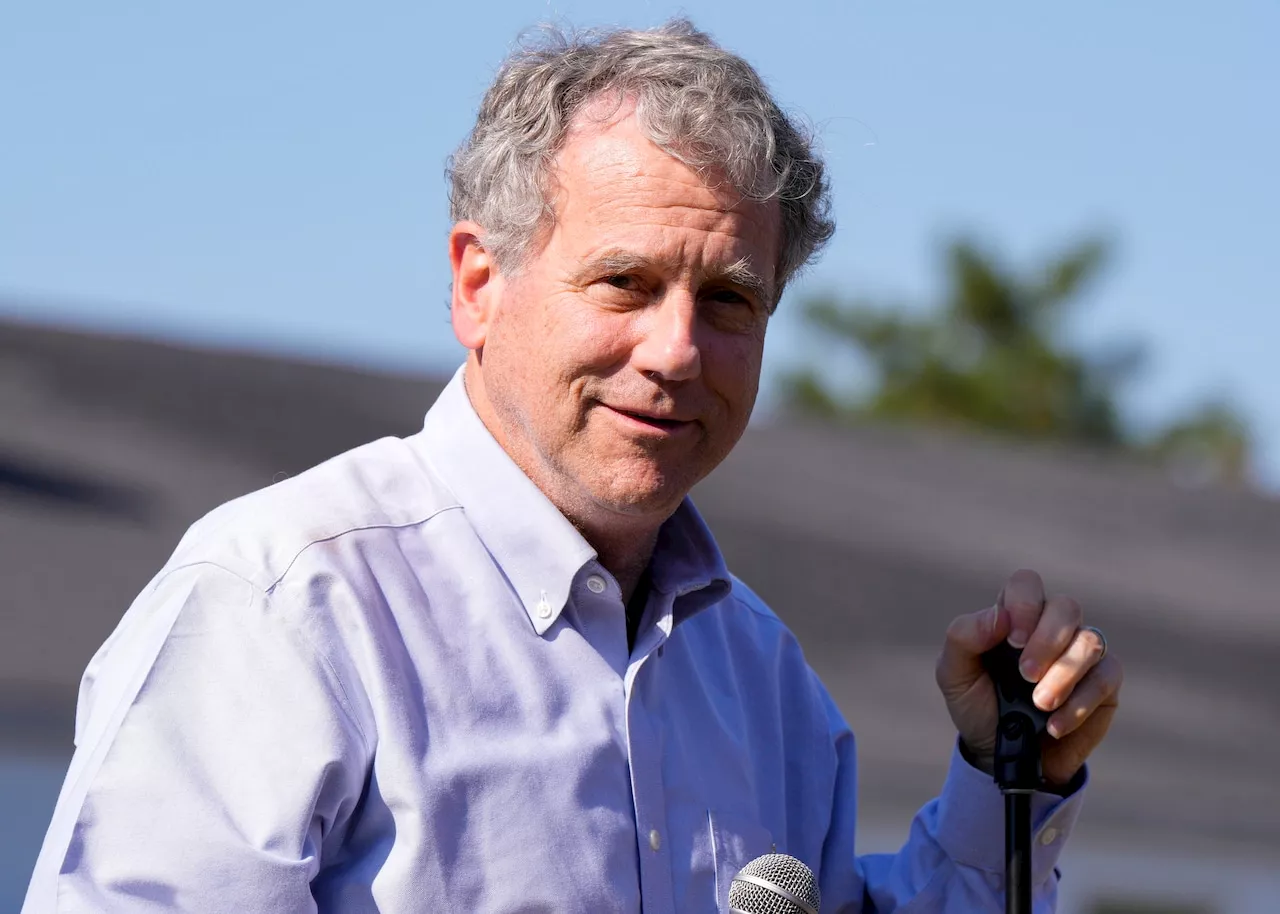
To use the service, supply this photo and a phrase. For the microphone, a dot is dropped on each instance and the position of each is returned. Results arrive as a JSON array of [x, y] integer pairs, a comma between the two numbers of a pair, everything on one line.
[[774, 884]]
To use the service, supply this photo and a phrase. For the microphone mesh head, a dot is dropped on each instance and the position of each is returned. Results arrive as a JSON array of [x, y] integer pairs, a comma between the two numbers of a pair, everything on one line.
[[778, 872]]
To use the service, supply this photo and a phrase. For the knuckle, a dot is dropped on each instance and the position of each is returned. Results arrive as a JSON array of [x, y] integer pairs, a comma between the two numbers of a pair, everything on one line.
[[1115, 672], [1066, 614], [1104, 685], [1110, 695]]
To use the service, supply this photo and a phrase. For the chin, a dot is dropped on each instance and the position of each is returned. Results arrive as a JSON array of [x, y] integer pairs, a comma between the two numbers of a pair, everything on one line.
[[639, 493]]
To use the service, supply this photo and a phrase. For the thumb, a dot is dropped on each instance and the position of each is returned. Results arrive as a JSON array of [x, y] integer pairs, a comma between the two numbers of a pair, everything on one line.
[[968, 638]]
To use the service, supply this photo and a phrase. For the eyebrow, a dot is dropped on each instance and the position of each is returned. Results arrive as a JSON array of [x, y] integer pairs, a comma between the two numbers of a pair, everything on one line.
[[738, 273]]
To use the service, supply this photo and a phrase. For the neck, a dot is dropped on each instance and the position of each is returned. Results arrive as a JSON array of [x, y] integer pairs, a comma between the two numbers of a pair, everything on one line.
[[626, 558], [624, 545]]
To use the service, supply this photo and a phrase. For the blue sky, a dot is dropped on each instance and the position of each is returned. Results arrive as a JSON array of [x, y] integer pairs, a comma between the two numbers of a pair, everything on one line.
[[270, 174]]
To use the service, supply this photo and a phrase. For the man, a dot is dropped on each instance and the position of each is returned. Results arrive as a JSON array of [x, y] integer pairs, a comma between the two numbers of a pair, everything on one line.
[[500, 665]]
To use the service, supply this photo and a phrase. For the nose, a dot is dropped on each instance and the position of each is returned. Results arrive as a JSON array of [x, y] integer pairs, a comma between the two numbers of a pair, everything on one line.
[[667, 348]]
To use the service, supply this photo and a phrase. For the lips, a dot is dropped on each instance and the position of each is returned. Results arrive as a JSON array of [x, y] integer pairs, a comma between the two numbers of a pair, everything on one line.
[[660, 421], [664, 422]]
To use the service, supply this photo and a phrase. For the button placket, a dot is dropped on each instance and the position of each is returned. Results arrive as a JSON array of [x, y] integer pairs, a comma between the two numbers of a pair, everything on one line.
[[649, 796]]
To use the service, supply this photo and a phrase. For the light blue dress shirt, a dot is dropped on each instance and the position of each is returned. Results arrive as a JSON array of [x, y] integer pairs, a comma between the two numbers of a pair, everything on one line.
[[400, 682]]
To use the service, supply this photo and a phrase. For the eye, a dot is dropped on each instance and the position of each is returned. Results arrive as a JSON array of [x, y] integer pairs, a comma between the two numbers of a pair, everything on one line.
[[731, 298], [730, 310], [622, 281]]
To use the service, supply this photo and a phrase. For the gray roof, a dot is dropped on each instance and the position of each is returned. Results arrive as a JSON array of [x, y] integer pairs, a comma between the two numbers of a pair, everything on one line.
[[865, 540]]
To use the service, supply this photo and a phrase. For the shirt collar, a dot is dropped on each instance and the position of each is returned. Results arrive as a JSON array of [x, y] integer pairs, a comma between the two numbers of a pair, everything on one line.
[[687, 564], [536, 547]]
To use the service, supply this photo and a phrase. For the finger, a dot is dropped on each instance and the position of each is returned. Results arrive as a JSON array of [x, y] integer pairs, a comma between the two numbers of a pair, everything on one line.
[[1099, 688], [1058, 624], [968, 638], [1023, 597], [1081, 655], [1063, 757]]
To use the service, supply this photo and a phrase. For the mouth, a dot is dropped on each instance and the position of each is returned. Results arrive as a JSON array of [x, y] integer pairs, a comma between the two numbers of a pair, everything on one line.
[[653, 424]]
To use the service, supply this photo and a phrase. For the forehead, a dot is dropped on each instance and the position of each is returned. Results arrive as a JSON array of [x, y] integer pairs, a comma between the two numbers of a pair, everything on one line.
[[612, 182]]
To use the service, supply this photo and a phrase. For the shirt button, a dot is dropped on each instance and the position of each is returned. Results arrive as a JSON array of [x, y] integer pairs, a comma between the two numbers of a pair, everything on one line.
[[544, 609], [1048, 836], [655, 839], [595, 584]]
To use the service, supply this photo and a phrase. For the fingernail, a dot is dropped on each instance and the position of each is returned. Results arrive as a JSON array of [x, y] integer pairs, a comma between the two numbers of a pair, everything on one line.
[[1017, 639], [1030, 669], [1054, 728], [1042, 698]]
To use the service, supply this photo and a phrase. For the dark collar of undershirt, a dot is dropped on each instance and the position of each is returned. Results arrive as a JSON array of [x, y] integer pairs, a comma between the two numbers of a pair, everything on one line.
[[636, 606]]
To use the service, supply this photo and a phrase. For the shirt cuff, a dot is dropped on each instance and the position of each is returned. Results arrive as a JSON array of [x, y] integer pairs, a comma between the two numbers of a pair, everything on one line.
[[970, 823]]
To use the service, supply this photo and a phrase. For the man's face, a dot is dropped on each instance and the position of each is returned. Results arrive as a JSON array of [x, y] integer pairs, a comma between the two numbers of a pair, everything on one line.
[[622, 361]]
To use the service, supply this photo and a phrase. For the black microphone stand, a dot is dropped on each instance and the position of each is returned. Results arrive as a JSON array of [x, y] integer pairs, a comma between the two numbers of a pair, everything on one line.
[[1017, 768]]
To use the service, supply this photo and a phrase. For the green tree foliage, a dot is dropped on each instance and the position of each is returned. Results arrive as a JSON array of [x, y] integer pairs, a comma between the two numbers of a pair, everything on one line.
[[1212, 442], [992, 355]]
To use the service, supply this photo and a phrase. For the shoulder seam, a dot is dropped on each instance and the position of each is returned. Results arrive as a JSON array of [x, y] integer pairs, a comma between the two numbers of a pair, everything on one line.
[[248, 571], [357, 529], [750, 604]]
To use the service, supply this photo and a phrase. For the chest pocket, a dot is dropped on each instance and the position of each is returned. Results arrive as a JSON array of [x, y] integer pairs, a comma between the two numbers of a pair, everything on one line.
[[735, 842], [720, 845]]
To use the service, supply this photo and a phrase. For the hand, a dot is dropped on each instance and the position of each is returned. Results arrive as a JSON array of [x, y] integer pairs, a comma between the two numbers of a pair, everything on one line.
[[1075, 682]]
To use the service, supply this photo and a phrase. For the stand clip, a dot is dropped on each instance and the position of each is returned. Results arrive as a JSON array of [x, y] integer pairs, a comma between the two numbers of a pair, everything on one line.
[[1021, 724]]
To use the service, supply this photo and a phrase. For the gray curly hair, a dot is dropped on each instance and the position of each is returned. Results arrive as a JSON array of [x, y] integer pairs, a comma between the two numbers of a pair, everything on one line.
[[696, 101]]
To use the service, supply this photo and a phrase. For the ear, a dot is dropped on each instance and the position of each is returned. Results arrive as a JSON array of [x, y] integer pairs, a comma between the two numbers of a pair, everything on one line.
[[476, 284]]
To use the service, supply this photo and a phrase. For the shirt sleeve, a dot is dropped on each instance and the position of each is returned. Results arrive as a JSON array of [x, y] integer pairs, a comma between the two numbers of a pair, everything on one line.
[[216, 757], [953, 859]]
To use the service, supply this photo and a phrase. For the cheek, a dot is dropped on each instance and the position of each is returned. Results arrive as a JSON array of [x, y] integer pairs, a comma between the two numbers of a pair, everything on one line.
[[534, 339], [591, 342], [732, 368]]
